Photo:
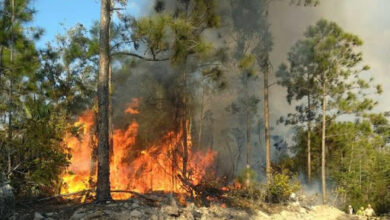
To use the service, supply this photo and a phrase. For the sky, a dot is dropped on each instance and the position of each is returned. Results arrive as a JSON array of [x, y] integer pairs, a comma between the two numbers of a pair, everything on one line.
[[369, 19], [56, 15]]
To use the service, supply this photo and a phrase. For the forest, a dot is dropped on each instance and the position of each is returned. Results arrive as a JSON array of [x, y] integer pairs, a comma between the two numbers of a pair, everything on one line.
[[184, 101]]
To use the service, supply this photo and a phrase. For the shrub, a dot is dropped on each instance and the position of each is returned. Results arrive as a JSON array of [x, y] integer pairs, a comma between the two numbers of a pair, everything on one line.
[[247, 178], [281, 187]]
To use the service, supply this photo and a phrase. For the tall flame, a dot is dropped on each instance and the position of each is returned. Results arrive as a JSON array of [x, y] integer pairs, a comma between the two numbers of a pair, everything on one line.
[[155, 169]]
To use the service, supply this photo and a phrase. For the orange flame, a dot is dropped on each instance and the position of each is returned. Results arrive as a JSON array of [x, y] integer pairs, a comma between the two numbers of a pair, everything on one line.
[[133, 107], [155, 169]]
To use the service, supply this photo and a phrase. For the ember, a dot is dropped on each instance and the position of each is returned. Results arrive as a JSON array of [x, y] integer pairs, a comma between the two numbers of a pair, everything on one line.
[[152, 169]]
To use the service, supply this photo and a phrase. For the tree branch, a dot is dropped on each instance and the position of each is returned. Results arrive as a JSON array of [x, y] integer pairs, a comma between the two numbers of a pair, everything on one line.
[[127, 53], [272, 84], [117, 9]]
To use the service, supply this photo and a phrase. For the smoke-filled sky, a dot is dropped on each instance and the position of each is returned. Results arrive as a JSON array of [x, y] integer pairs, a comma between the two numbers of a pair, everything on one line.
[[369, 19]]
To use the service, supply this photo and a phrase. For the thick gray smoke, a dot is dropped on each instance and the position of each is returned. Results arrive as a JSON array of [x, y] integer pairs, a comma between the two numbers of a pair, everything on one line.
[[224, 128], [369, 20]]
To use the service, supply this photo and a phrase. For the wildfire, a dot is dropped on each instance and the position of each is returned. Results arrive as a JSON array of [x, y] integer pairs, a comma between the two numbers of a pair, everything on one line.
[[155, 169]]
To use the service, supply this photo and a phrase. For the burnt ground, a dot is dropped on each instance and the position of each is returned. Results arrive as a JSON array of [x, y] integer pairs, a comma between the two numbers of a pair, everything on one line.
[[162, 206]]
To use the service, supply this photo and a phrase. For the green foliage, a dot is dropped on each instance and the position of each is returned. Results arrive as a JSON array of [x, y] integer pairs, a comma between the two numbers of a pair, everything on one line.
[[358, 159], [171, 35], [327, 66], [247, 178], [281, 187], [41, 90], [247, 62], [327, 56], [41, 156], [153, 32]]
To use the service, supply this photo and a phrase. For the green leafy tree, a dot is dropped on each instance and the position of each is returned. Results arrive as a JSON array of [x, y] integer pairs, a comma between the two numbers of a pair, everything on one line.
[[18, 60], [356, 160], [32, 123], [298, 78], [334, 64]]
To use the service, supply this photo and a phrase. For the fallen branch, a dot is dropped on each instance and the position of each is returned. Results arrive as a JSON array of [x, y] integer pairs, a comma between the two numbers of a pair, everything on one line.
[[83, 192], [65, 195]]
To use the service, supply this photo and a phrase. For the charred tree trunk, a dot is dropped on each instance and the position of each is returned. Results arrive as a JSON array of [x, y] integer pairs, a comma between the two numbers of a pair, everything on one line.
[[103, 178], [323, 139], [184, 126], [185, 146]]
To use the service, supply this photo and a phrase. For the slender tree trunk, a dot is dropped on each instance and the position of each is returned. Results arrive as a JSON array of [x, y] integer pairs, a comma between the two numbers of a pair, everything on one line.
[[185, 146], [184, 126], [323, 147], [10, 106], [201, 119], [110, 112], [309, 152], [360, 171], [351, 156], [266, 124], [248, 132], [103, 178], [110, 93], [309, 143]]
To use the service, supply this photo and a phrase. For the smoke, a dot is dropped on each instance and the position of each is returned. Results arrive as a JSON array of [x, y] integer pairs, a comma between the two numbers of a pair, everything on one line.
[[223, 125], [368, 20]]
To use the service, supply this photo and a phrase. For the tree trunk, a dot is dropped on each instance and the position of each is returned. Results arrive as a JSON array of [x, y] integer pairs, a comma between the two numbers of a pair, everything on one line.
[[323, 175], [185, 146], [184, 125], [309, 152], [10, 106], [110, 111], [201, 120], [110, 92], [351, 156], [266, 124], [103, 178], [248, 133], [309, 142]]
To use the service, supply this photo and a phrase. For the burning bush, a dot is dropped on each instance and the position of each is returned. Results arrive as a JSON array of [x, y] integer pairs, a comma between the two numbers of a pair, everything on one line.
[[156, 168]]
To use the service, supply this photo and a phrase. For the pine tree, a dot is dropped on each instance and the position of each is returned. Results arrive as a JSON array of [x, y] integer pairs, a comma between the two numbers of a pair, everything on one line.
[[298, 79], [151, 33], [18, 61], [331, 56]]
